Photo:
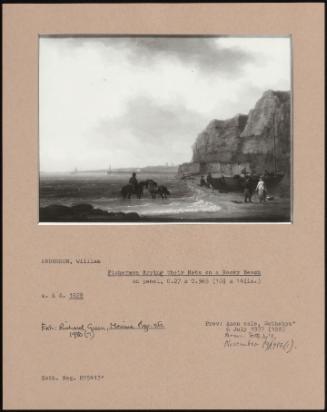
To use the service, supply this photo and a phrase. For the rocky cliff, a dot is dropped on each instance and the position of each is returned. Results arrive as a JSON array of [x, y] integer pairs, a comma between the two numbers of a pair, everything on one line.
[[220, 141], [253, 141]]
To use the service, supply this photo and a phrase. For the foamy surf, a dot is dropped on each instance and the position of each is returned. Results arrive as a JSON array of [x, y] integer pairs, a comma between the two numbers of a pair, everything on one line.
[[174, 207], [177, 208]]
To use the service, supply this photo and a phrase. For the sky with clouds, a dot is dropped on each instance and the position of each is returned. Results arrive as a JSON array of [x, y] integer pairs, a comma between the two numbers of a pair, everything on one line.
[[138, 101]]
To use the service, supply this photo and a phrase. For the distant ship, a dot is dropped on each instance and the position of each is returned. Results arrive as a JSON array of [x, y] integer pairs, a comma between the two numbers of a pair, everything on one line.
[[74, 171], [109, 170]]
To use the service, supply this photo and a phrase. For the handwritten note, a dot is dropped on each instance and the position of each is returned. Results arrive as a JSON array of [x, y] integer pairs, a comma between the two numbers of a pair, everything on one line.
[[266, 335]]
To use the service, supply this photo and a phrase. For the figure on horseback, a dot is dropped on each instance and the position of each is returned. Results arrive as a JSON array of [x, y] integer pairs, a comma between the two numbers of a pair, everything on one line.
[[136, 188], [133, 180], [133, 188]]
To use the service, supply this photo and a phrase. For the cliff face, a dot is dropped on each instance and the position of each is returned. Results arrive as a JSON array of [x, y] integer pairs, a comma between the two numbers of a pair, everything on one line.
[[219, 141], [254, 140], [267, 132]]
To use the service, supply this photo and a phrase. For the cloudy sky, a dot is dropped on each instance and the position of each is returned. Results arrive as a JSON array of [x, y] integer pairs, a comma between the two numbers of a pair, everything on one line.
[[132, 102]]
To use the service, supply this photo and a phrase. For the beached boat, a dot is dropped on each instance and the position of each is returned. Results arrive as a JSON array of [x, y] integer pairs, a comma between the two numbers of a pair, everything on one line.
[[236, 183]]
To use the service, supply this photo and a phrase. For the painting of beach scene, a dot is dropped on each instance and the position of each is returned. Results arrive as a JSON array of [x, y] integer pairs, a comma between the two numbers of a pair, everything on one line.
[[165, 129]]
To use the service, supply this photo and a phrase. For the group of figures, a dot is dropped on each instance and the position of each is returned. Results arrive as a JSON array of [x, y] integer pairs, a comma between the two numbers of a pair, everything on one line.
[[134, 187], [247, 183], [260, 189]]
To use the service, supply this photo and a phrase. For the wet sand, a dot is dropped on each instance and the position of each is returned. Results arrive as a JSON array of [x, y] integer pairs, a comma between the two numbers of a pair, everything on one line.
[[233, 208]]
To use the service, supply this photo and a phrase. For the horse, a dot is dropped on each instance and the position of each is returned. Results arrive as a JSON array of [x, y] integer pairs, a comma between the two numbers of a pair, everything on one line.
[[163, 192], [128, 190], [155, 190], [152, 187]]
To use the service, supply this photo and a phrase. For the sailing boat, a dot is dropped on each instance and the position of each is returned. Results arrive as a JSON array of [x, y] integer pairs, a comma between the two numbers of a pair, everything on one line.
[[109, 170]]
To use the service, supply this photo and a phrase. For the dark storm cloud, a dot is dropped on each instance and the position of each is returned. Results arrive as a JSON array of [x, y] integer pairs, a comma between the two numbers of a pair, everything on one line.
[[203, 53], [195, 52]]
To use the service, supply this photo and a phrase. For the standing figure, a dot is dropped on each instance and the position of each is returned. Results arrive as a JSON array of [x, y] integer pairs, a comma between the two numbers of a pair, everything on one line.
[[209, 180], [203, 182], [243, 172], [248, 190], [261, 190]]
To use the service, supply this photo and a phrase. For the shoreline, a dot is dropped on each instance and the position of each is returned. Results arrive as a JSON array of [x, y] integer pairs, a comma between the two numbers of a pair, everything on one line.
[[200, 205]]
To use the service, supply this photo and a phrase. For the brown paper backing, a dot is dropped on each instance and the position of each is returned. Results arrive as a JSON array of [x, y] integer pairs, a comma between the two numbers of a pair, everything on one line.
[[184, 366]]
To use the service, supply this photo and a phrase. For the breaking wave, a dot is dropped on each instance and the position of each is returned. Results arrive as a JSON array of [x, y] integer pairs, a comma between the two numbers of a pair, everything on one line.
[[178, 207]]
